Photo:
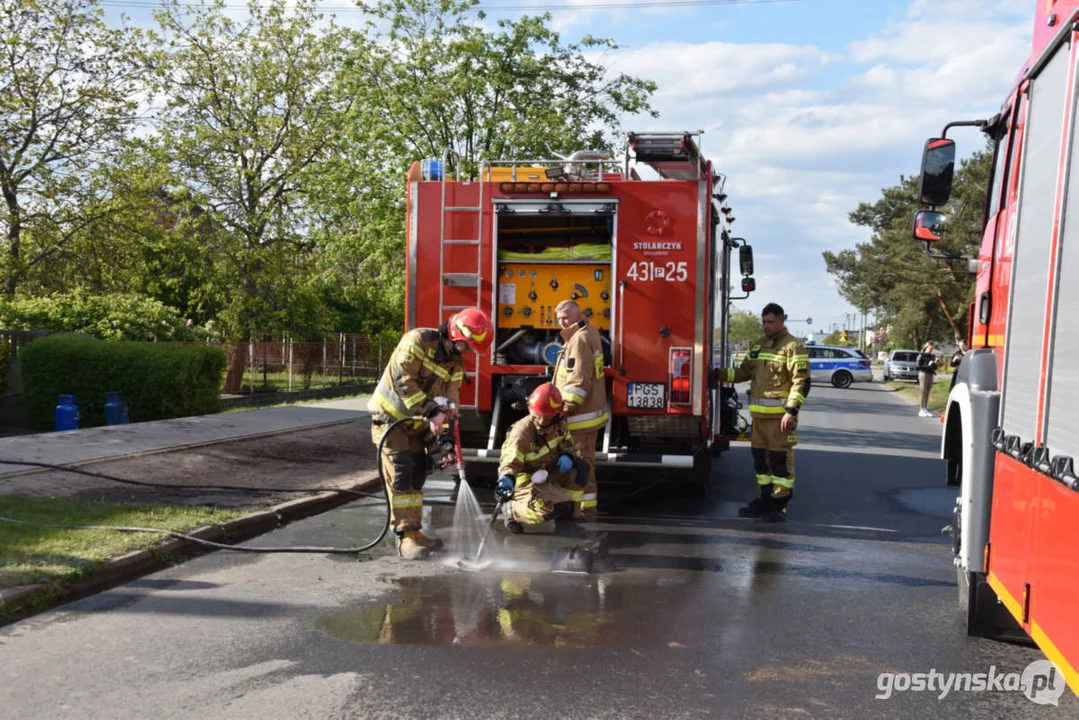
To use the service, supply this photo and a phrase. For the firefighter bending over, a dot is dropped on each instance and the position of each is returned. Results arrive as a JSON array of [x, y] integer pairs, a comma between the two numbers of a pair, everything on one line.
[[579, 376], [423, 378], [537, 464], [778, 366]]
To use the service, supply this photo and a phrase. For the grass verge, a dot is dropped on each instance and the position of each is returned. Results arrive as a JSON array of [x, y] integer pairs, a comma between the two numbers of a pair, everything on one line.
[[33, 554], [938, 394]]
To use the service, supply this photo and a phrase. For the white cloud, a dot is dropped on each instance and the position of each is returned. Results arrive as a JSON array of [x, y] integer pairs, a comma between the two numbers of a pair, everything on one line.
[[805, 135], [706, 70]]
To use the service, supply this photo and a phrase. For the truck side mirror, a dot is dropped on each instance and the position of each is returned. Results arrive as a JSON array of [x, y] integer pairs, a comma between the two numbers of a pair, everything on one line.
[[748, 284], [928, 225], [938, 164], [745, 258]]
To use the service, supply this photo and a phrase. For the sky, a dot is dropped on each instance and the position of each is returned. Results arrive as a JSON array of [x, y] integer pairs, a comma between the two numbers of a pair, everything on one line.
[[809, 107]]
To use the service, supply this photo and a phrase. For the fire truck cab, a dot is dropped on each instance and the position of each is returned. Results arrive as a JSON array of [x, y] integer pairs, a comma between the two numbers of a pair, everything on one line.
[[647, 260], [1010, 426]]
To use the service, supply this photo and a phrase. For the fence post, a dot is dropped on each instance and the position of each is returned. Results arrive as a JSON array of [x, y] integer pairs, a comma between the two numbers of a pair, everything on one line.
[[290, 362], [323, 362], [340, 357], [251, 358]]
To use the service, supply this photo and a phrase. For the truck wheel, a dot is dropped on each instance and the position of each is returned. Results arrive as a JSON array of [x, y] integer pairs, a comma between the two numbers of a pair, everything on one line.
[[842, 379]]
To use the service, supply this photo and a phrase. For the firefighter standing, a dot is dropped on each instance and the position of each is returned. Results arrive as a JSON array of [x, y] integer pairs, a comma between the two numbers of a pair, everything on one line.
[[423, 378], [579, 376], [538, 465], [778, 366]]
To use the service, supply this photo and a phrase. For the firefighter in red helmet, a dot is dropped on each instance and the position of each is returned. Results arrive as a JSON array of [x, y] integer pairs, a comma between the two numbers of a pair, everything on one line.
[[422, 380], [538, 462]]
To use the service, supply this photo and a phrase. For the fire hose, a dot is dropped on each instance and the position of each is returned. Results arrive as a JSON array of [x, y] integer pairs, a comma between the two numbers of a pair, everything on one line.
[[239, 548]]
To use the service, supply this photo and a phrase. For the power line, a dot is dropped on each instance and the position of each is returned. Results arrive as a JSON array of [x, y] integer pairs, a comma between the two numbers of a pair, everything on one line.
[[499, 8]]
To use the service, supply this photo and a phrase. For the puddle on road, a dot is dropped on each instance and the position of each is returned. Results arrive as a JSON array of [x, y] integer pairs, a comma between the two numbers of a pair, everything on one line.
[[628, 609]]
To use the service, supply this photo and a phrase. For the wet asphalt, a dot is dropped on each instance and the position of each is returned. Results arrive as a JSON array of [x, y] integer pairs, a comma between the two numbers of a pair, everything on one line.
[[696, 613]]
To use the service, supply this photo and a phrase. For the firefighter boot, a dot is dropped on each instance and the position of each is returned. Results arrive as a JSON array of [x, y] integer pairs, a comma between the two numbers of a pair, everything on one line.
[[431, 544], [564, 522], [778, 511], [409, 548], [760, 505]]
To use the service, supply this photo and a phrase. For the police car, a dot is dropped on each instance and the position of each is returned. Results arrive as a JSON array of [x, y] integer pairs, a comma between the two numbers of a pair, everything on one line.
[[838, 365]]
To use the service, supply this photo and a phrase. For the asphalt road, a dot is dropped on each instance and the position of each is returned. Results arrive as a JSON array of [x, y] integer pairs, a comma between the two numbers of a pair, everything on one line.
[[835, 613]]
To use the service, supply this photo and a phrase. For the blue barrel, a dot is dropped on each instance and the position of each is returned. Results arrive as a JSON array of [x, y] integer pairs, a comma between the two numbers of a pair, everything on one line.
[[67, 414], [431, 169], [115, 409]]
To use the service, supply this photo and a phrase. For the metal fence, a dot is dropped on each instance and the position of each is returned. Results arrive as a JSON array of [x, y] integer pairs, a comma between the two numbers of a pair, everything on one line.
[[285, 365]]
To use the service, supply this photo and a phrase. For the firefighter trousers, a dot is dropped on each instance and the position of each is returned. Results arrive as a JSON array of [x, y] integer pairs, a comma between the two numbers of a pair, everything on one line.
[[535, 504], [773, 458], [586, 499], [404, 468]]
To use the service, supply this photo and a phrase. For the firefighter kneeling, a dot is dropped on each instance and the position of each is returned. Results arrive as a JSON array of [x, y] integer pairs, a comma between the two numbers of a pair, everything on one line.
[[538, 461]]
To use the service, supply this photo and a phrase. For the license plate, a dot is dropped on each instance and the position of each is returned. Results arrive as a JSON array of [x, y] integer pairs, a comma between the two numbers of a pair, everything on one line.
[[646, 396]]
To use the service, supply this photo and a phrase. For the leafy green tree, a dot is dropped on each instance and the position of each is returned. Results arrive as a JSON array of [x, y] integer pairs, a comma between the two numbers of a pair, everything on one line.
[[426, 77], [890, 275], [435, 78], [68, 84], [745, 327], [251, 109]]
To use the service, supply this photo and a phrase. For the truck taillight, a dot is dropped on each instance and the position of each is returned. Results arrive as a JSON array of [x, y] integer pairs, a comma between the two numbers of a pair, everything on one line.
[[681, 376]]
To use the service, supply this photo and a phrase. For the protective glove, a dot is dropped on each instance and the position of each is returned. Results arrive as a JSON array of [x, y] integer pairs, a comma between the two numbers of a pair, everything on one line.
[[438, 421], [539, 477], [565, 462], [504, 491]]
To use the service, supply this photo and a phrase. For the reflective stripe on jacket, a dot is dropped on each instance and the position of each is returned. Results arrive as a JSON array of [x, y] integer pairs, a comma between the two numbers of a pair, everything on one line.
[[579, 377], [419, 369], [527, 450], [779, 373]]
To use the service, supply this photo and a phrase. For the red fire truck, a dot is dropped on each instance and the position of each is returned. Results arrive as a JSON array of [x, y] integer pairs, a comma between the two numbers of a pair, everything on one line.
[[647, 260], [1011, 427]]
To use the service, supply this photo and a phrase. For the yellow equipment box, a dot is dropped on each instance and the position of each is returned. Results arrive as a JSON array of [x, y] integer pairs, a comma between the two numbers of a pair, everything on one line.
[[528, 293], [505, 174]]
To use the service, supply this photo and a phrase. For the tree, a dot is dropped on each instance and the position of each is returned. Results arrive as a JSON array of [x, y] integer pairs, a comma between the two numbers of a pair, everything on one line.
[[890, 275], [67, 89], [427, 77], [251, 111], [745, 327], [437, 79]]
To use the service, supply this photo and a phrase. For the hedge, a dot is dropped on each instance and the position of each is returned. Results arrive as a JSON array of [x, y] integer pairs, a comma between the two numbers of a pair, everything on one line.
[[116, 316], [156, 381]]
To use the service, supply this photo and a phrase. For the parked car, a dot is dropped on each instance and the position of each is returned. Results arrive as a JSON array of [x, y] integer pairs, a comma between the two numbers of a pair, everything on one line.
[[838, 365], [901, 365]]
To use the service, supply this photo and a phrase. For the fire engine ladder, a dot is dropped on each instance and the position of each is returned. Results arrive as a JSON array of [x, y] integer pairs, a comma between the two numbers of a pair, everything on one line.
[[459, 279], [674, 156]]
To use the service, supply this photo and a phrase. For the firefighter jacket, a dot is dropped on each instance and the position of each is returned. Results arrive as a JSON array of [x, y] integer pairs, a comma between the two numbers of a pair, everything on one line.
[[579, 377], [419, 370], [779, 373], [528, 449]]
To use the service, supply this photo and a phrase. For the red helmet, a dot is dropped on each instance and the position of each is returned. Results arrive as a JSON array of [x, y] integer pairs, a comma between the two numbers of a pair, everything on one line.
[[474, 327], [545, 401]]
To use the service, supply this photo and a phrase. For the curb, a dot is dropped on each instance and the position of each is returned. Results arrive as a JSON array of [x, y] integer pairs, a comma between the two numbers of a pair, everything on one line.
[[19, 602]]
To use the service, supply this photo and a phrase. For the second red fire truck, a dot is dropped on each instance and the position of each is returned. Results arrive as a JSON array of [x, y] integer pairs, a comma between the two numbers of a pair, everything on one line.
[[647, 260], [1011, 427]]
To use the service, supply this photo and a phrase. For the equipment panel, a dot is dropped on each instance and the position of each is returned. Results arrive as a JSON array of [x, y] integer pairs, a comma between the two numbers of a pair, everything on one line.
[[528, 293]]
